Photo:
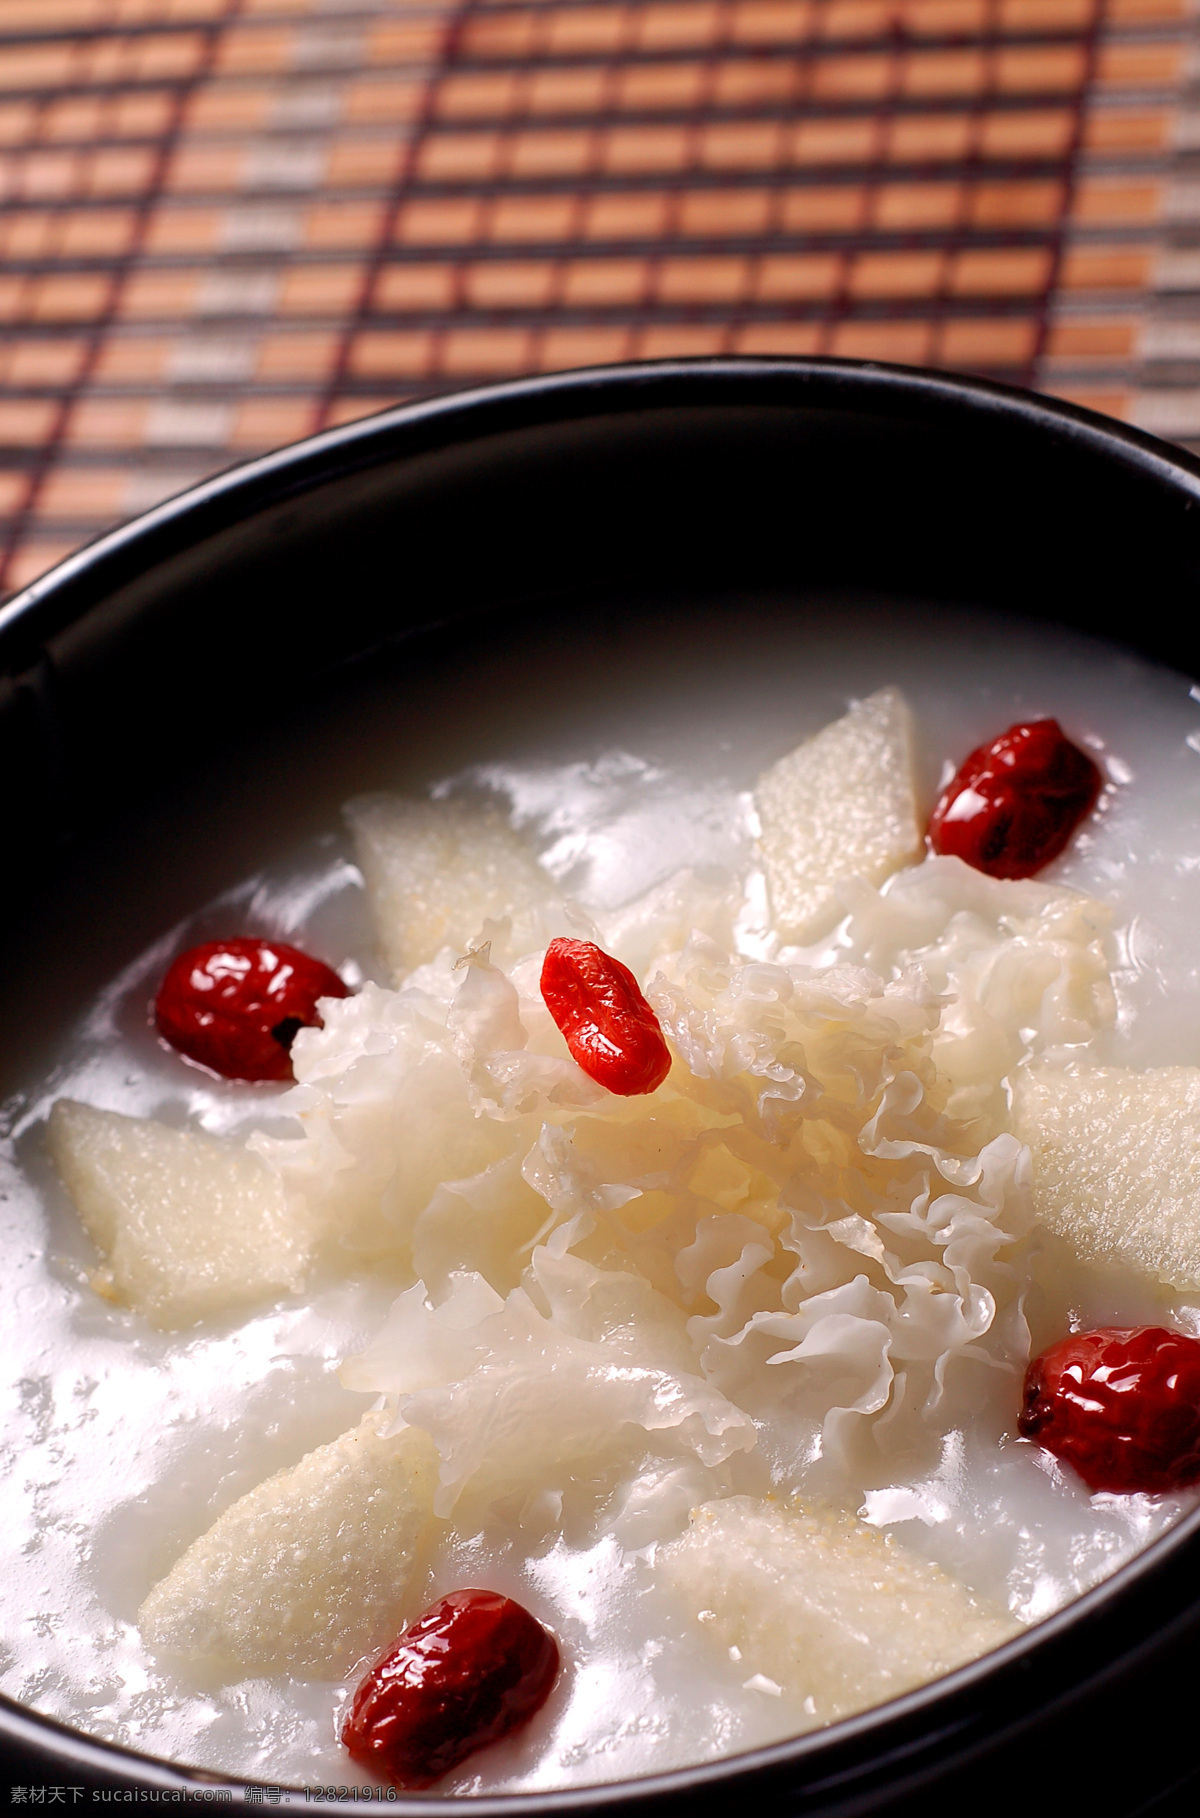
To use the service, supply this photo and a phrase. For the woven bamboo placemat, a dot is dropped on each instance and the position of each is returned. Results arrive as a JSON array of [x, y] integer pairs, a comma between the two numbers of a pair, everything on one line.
[[228, 223]]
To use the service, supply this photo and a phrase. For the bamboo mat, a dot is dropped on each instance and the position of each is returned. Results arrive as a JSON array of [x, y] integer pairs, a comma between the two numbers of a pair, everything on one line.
[[228, 223]]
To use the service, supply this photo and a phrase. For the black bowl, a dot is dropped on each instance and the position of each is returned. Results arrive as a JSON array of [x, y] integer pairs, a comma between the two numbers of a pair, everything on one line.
[[213, 622]]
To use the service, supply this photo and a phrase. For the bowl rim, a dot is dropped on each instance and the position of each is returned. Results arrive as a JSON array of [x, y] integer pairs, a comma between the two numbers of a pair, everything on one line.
[[66, 592]]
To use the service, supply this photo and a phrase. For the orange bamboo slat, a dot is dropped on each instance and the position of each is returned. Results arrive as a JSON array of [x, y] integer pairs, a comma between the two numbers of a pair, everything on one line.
[[226, 223]]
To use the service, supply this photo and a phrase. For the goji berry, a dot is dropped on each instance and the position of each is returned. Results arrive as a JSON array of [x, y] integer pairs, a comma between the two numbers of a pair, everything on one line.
[[235, 1006], [1120, 1405], [1016, 802], [611, 1030], [473, 1668]]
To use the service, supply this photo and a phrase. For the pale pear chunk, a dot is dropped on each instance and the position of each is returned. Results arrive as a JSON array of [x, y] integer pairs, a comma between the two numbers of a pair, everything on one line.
[[309, 1571], [825, 1609], [189, 1225], [1116, 1164], [435, 870], [841, 805]]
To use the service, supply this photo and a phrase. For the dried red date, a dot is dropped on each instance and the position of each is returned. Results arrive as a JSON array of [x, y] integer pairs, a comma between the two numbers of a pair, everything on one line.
[[1120, 1405], [1016, 802], [235, 1006], [611, 1030], [470, 1670]]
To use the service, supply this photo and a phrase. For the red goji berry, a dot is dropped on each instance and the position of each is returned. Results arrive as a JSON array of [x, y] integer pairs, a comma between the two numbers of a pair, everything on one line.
[[235, 1006], [611, 1030], [1016, 802], [470, 1670], [1120, 1405]]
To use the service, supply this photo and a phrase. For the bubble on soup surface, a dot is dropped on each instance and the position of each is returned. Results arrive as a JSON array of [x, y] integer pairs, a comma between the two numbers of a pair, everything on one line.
[[831, 1611], [309, 1571], [189, 1225], [840, 805], [1116, 1164], [435, 870]]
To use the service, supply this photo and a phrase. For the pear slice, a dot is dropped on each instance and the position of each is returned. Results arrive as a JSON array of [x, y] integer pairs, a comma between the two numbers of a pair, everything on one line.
[[1116, 1164], [841, 805], [435, 870], [823, 1608], [189, 1225], [308, 1572]]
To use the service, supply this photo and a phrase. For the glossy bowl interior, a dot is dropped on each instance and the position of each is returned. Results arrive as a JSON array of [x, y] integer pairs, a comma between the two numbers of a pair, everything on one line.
[[144, 681]]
